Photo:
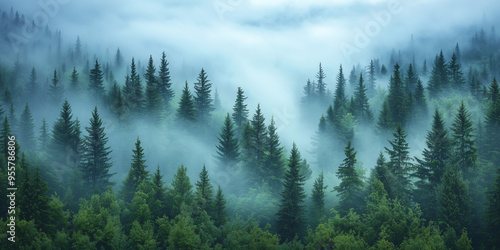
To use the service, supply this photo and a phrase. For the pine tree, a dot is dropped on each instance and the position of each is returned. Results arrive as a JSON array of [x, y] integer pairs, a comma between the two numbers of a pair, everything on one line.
[[12, 118], [273, 168], [117, 101], [321, 87], [154, 100], [26, 129], [350, 187], [431, 167], [454, 203], [420, 103], [399, 164], [383, 70], [96, 86], [65, 142], [202, 99], [353, 80], [385, 122], [456, 77], [370, 87], [424, 68], [397, 99], [340, 99], [182, 192], [164, 81], [318, 199], [74, 84], [186, 110], [38, 205], [118, 59], [133, 92], [492, 125], [228, 149], [220, 212], [291, 209], [240, 111], [411, 80], [44, 136], [32, 85], [56, 90], [78, 48], [309, 93], [463, 141], [258, 140], [362, 108], [205, 191], [439, 76], [95, 157], [381, 173], [137, 173]]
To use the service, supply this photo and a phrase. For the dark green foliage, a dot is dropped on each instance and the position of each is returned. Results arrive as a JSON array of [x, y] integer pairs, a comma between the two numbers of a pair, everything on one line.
[[398, 102], [351, 183], [44, 136], [439, 76], [454, 202], [240, 111], [493, 212], [361, 107], [182, 193], [220, 212], [370, 86], [321, 87], [274, 165], [291, 210], [383, 70], [26, 129], [411, 80], [133, 91], [399, 165], [456, 77], [492, 125], [186, 112], [65, 145], [385, 122], [318, 199], [56, 90], [137, 173], [340, 99], [228, 149], [34, 202], [463, 141], [117, 104], [420, 105], [254, 146], [74, 84], [32, 85], [204, 190], [164, 81], [202, 99], [96, 86], [154, 102], [381, 173], [96, 163], [431, 167]]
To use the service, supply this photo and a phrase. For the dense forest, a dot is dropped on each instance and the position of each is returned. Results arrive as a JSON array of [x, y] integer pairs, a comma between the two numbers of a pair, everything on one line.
[[108, 152]]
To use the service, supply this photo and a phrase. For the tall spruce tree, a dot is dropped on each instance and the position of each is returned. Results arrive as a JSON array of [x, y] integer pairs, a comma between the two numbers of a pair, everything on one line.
[[154, 101], [351, 184], [228, 148], [240, 111], [321, 87], [370, 86], [96, 86], [381, 173], [397, 99], [137, 172], [439, 76], [202, 99], [204, 191], [274, 165], [220, 212], [411, 80], [318, 199], [385, 122], [400, 165], [291, 209], [44, 136], [463, 142], [32, 84], [95, 157], [26, 129], [456, 76], [258, 140], [182, 192], [362, 108], [74, 84], [492, 125], [454, 202], [65, 144], [133, 91], [56, 90], [340, 99], [186, 112], [165, 82]]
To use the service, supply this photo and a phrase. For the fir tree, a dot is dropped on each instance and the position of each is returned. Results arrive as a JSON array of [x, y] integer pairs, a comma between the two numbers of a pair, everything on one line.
[[381, 173], [411, 80], [228, 148], [5, 135], [217, 104], [96, 86], [353, 80], [492, 125], [351, 183], [273, 168], [362, 108], [291, 209], [154, 101], [205, 190], [95, 157], [456, 77], [26, 129], [164, 81], [399, 164], [32, 84], [318, 199], [74, 84], [186, 111], [220, 212], [56, 90], [202, 99], [321, 87], [439, 76], [117, 105], [182, 192], [44, 136], [118, 59], [493, 212], [309, 93], [340, 99], [385, 122], [137, 173], [258, 140], [463, 141], [397, 98], [383, 70], [133, 91], [65, 142], [420, 103], [370, 88], [454, 203], [240, 111]]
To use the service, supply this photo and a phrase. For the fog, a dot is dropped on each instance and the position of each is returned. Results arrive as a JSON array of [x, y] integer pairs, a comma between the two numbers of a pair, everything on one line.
[[269, 48]]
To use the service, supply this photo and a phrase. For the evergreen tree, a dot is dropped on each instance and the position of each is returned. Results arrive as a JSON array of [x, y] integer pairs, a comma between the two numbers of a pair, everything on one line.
[[291, 210], [321, 87], [240, 111], [186, 111], [117, 105], [65, 142], [493, 212], [411, 80], [165, 82], [204, 190], [383, 70], [74, 84], [353, 80], [182, 192], [454, 203], [78, 48], [258, 140], [424, 68], [463, 141], [95, 157], [420, 103], [56, 90], [351, 183], [492, 125], [431, 167], [397, 99], [12, 118], [217, 104], [96, 86], [137, 173], [362, 108], [44, 136], [220, 212], [154, 100], [309, 93], [38, 205], [399, 164], [26, 129], [381, 173], [370, 88], [202, 99], [118, 58], [273, 168], [318, 199], [385, 122], [228, 149], [133, 91], [32, 84], [340, 99], [439, 76], [456, 77]]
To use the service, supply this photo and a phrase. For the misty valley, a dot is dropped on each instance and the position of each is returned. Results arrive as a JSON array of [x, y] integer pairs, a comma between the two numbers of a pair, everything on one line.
[[394, 146]]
